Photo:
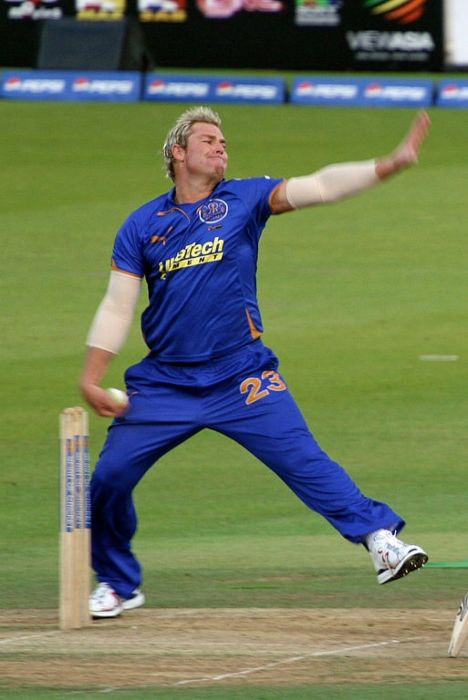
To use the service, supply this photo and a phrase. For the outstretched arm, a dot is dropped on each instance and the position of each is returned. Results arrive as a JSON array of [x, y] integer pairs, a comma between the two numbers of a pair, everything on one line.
[[335, 182], [407, 152]]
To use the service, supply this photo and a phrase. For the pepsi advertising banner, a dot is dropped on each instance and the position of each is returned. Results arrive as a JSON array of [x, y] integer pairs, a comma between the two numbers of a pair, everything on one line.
[[180, 88], [452, 93], [363, 92], [70, 86]]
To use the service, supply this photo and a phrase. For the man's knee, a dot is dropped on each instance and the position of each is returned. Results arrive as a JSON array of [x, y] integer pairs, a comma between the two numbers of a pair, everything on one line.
[[111, 477]]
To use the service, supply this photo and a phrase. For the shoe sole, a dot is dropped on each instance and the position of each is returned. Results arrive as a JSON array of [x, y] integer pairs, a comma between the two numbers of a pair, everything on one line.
[[129, 604], [413, 562], [106, 613], [135, 602]]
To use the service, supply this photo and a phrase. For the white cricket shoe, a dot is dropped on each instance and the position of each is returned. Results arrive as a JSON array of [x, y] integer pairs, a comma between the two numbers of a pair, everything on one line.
[[392, 558], [135, 601], [104, 602]]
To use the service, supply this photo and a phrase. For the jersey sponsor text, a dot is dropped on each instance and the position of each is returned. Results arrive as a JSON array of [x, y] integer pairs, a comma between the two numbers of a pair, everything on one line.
[[193, 254]]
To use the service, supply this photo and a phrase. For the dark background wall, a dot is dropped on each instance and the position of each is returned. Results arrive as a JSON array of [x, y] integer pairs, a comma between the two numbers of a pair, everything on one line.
[[255, 39]]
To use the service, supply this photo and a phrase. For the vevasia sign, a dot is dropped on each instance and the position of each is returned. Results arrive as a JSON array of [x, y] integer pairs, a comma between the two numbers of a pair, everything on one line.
[[402, 34]]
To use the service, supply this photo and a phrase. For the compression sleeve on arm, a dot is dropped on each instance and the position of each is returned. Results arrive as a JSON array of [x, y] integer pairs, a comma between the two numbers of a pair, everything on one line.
[[113, 319], [331, 184]]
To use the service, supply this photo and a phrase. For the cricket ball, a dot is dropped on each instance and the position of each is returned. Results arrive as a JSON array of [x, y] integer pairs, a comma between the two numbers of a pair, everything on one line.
[[118, 396]]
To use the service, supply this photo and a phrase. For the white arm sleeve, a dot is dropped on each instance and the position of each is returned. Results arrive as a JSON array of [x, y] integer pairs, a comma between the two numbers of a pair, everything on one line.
[[331, 184], [113, 319]]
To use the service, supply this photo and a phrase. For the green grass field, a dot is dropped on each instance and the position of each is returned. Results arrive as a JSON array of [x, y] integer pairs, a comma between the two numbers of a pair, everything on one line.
[[352, 296]]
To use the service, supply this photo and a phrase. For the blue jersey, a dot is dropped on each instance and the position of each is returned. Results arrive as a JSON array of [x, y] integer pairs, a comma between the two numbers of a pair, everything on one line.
[[200, 262]]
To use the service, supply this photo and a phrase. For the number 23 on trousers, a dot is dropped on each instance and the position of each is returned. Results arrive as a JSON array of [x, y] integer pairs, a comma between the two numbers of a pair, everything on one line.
[[257, 388]]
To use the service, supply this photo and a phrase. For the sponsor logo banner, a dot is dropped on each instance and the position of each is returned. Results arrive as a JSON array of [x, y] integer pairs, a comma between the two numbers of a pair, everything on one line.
[[330, 91], [162, 10], [72, 86], [394, 34], [225, 9], [34, 9], [175, 88], [243, 90], [398, 93], [452, 93], [318, 13], [180, 88], [100, 9], [401, 11], [362, 92], [33, 85]]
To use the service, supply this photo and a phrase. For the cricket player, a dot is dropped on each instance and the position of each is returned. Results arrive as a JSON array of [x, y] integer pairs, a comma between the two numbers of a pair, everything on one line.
[[196, 247]]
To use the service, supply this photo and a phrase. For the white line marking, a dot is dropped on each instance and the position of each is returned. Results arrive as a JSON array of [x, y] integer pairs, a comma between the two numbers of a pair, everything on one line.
[[9, 640], [294, 659], [439, 358]]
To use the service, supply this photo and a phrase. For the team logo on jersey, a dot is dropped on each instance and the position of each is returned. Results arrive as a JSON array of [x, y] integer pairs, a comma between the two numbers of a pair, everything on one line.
[[213, 211]]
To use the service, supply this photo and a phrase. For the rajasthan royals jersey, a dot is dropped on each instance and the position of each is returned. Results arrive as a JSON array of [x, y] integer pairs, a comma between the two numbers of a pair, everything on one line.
[[200, 262]]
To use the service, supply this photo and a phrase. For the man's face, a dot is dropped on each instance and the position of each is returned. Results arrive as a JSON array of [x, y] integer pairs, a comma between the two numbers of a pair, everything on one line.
[[205, 153]]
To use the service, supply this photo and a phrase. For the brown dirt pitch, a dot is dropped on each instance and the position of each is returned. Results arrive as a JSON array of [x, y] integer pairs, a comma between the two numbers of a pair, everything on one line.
[[208, 647]]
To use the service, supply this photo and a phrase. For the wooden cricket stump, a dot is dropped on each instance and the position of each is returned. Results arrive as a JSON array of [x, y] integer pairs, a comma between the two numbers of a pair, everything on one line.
[[460, 629], [75, 520]]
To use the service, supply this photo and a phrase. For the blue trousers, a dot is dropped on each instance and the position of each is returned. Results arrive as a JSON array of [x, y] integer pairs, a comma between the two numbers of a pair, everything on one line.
[[241, 396]]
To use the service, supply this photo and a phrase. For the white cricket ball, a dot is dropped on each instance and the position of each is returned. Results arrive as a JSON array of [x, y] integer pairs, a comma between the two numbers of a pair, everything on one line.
[[118, 396]]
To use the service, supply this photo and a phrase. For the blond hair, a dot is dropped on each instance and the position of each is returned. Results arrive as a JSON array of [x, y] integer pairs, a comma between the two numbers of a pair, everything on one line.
[[182, 129]]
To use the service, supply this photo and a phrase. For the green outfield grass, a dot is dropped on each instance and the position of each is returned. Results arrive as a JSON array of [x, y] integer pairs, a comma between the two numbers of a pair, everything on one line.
[[352, 296], [456, 691]]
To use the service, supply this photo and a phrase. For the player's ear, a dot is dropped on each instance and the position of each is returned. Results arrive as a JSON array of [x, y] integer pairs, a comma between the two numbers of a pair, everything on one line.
[[178, 152]]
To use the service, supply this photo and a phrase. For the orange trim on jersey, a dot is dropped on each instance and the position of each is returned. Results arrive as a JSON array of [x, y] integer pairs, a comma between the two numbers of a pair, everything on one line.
[[159, 239], [254, 332], [124, 272], [181, 211]]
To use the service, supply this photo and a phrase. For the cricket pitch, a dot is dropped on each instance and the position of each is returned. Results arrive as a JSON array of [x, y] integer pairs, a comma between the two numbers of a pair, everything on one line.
[[169, 647]]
